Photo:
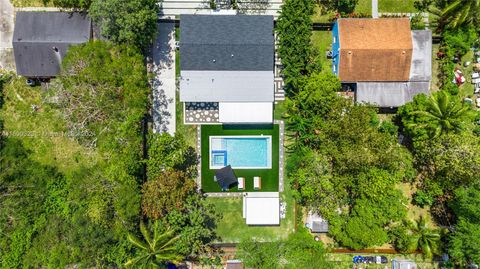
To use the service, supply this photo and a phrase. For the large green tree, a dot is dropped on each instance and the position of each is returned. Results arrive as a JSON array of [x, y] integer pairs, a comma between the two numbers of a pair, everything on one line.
[[464, 241], [293, 29], [131, 22]]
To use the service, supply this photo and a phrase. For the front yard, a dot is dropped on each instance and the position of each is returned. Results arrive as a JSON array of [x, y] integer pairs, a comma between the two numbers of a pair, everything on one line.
[[269, 176]]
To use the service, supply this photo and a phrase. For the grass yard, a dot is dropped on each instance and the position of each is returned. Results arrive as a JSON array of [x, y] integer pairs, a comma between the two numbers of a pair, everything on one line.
[[42, 131], [396, 6], [31, 3], [322, 41], [231, 228], [269, 176], [364, 6]]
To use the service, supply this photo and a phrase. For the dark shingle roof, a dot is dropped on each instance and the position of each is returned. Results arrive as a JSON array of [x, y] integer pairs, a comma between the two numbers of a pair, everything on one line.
[[226, 42], [36, 36]]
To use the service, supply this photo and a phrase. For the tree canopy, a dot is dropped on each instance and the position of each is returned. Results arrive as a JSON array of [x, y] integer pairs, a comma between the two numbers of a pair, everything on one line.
[[130, 22]]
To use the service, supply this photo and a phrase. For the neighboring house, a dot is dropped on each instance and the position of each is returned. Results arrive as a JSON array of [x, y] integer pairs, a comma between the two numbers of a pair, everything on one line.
[[227, 68], [41, 40], [382, 60]]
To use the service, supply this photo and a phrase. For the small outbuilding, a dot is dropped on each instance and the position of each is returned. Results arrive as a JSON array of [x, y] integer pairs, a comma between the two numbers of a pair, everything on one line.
[[261, 208], [403, 264], [41, 40]]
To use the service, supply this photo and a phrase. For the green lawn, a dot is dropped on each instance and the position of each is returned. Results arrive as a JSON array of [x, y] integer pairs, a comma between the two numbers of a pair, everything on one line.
[[396, 6], [30, 3], [364, 6], [322, 41], [42, 131], [231, 228], [269, 176]]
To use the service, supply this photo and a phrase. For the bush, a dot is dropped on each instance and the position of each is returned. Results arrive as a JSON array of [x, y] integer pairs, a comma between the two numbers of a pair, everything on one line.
[[423, 199]]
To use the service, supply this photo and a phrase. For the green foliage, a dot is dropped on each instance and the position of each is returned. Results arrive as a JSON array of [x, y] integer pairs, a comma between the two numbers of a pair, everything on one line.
[[299, 250], [293, 28], [131, 22], [173, 195], [423, 198], [155, 247], [464, 241], [307, 109], [449, 161], [103, 89], [82, 5], [431, 117], [461, 12], [166, 151], [424, 239], [365, 225], [166, 193], [195, 225]]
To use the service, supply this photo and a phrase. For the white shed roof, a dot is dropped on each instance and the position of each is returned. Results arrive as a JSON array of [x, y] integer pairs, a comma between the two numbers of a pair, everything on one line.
[[226, 86], [261, 208], [246, 112]]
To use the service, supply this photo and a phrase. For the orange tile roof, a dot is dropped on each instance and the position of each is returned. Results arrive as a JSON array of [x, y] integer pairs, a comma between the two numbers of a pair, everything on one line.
[[375, 49]]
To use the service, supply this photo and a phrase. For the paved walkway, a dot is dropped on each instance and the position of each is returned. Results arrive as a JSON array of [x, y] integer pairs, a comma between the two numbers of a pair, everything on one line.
[[6, 34], [164, 88], [374, 8]]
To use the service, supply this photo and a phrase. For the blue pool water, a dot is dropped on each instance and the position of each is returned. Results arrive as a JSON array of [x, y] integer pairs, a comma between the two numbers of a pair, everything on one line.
[[239, 152]]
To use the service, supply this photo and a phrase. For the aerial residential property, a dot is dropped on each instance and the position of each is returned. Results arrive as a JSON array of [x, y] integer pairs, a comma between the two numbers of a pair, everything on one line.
[[382, 60], [227, 86], [41, 40], [239, 134]]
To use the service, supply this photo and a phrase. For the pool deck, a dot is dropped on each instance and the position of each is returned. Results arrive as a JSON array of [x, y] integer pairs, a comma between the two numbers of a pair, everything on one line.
[[272, 179]]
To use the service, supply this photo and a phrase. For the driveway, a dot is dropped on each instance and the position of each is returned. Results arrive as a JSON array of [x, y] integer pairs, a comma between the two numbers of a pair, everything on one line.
[[6, 34], [164, 88]]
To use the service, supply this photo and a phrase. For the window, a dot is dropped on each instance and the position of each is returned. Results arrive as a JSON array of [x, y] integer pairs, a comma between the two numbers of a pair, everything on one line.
[[334, 68], [334, 39]]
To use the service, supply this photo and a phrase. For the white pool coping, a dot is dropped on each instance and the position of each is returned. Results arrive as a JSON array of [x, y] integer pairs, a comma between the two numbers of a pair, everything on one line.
[[269, 150]]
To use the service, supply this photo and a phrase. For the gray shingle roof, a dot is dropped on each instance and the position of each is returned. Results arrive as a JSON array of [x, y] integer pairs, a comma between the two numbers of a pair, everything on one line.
[[226, 42], [37, 36]]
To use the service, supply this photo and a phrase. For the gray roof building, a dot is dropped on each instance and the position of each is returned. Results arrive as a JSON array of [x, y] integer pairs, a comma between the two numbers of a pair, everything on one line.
[[41, 40], [229, 60], [226, 42]]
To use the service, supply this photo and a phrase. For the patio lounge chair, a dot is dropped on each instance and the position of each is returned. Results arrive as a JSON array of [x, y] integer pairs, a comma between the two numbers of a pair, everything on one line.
[[257, 183], [241, 183]]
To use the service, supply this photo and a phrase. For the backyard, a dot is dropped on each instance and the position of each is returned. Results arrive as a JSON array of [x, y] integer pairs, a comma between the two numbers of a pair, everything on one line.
[[231, 228], [269, 176]]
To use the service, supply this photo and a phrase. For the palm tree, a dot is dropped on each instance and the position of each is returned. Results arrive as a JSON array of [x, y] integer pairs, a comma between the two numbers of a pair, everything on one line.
[[424, 239], [443, 113], [461, 12], [154, 251]]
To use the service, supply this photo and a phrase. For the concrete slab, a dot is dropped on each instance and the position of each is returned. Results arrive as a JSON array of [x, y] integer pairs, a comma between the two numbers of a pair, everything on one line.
[[164, 88], [7, 62]]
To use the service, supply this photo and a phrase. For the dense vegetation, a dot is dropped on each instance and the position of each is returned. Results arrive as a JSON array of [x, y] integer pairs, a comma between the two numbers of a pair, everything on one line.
[[132, 22], [99, 213], [299, 250]]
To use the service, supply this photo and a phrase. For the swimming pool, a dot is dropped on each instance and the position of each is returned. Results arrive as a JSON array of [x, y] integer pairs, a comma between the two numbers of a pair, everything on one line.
[[241, 152]]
